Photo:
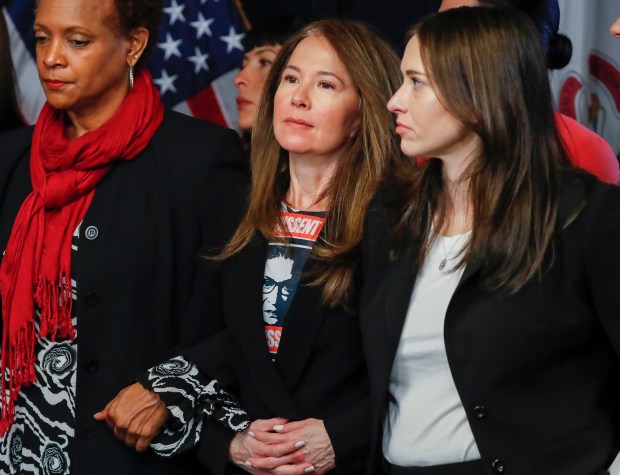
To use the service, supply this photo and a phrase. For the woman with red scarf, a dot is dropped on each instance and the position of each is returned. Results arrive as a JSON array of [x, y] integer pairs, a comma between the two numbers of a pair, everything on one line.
[[103, 206]]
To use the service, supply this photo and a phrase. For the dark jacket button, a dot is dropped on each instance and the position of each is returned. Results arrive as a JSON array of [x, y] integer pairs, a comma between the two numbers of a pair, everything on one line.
[[498, 466], [91, 365], [92, 299], [91, 233], [480, 412]]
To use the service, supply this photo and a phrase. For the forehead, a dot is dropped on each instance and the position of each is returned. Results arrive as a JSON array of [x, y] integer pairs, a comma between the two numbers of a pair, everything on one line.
[[263, 49], [90, 14], [448, 4], [412, 59], [316, 53]]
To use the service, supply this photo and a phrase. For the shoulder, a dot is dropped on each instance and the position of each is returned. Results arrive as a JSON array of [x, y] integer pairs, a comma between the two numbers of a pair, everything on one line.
[[19, 135], [14, 143], [588, 150], [377, 215], [377, 235], [183, 141], [186, 130], [597, 203], [382, 212], [577, 132]]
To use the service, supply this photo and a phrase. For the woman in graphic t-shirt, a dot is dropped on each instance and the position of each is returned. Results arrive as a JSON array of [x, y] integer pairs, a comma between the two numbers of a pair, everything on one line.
[[291, 350]]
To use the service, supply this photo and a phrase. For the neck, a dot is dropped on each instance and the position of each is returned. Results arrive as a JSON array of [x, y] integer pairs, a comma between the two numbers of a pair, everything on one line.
[[85, 119], [310, 177], [459, 213]]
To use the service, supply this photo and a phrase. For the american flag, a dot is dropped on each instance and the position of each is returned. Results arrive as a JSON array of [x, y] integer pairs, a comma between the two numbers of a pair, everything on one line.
[[197, 54]]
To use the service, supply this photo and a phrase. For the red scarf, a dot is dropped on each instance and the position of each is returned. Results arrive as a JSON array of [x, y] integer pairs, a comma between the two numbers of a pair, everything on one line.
[[36, 269]]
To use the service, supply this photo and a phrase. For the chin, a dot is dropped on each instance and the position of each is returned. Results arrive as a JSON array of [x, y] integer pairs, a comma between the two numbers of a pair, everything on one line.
[[59, 104], [244, 122], [412, 151]]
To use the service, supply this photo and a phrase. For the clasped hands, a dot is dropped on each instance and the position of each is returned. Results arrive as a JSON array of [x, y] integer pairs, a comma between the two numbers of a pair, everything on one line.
[[267, 447], [276, 446]]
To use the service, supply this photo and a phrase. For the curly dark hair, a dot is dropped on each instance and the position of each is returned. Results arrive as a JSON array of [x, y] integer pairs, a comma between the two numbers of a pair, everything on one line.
[[140, 13]]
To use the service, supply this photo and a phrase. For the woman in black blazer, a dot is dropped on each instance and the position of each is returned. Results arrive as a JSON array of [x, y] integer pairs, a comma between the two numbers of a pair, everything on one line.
[[108, 198], [490, 311], [291, 349]]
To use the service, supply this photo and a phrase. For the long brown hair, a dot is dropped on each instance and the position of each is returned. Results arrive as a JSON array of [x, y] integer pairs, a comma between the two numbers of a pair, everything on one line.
[[488, 69], [374, 69]]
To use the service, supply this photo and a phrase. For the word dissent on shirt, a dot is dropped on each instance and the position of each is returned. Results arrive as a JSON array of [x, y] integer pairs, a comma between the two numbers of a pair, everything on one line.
[[301, 226]]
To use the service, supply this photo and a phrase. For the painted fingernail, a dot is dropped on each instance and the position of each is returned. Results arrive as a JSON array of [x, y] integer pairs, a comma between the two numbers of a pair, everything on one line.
[[278, 427], [248, 463], [251, 434], [310, 469], [300, 444]]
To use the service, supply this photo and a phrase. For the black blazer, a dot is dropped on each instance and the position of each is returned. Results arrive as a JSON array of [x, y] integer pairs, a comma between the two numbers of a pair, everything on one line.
[[319, 372], [135, 276], [534, 370]]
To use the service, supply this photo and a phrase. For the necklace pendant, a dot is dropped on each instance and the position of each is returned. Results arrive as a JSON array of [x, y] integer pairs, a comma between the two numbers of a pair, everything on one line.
[[442, 264]]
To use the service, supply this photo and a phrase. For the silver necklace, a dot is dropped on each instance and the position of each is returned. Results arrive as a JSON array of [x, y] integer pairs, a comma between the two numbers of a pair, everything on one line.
[[444, 261]]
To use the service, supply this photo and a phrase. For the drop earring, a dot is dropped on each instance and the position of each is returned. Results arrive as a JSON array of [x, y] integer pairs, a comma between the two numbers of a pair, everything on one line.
[[131, 77]]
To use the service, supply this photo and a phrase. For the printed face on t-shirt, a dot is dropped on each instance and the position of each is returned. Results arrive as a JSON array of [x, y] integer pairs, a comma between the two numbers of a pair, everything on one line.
[[276, 290]]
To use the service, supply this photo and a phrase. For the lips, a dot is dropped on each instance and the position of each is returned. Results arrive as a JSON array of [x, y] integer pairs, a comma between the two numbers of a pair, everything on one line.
[[243, 103], [54, 83], [297, 122], [401, 128]]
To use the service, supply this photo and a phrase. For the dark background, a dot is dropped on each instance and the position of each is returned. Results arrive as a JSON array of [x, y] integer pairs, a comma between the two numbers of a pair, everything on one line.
[[391, 17]]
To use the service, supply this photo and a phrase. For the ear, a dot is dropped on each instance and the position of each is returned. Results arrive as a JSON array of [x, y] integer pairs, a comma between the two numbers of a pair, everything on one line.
[[138, 39], [355, 127]]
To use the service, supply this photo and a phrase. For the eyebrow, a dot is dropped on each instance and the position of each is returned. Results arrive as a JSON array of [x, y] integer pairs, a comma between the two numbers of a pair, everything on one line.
[[71, 29], [413, 72], [320, 73], [265, 49]]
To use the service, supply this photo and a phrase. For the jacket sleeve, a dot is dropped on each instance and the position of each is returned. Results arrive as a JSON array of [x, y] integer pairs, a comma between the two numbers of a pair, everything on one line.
[[209, 175], [211, 358], [203, 310], [14, 180], [191, 397], [602, 257], [349, 433]]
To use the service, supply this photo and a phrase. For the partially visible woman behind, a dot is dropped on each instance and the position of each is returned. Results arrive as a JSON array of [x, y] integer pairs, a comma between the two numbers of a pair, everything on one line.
[[104, 204], [262, 43], [291, 349], [10, 118], [586, 149], [490, 311], [615, 28]]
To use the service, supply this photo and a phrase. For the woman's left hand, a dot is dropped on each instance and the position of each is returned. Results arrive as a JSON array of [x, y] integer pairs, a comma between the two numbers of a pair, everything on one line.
[[316, 450], [135, 415]]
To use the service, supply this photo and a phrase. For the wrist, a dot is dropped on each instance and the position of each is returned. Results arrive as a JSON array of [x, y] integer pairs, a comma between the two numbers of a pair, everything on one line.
[[236, 449]]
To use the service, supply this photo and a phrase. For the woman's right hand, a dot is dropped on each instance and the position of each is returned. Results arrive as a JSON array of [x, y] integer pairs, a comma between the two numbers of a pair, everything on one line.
[[135, 415], [260, 440]]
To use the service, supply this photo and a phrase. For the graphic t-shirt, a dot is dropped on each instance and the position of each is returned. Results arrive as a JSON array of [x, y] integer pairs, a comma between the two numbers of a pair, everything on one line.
[[285, 263]]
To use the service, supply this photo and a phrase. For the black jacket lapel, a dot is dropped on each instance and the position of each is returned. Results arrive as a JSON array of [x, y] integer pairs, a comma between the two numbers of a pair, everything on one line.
[[244, 319], [301, 327], [399, 287]]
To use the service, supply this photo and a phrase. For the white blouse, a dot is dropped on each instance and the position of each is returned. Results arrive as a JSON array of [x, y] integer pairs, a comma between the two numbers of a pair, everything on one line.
[[426, 424]]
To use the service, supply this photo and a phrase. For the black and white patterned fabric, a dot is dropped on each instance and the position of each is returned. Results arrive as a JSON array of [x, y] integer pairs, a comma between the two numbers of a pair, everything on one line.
[[39, 442], [190, 397]]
